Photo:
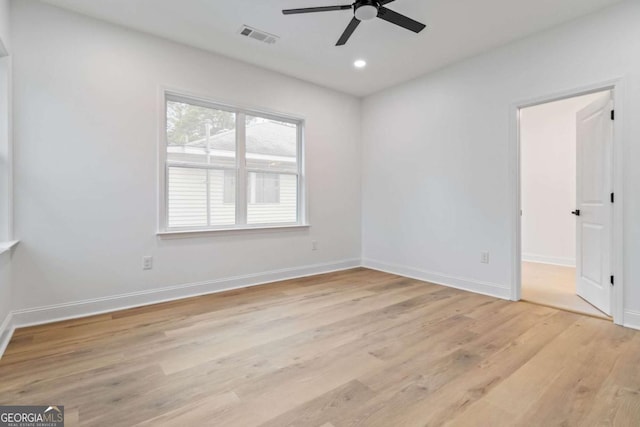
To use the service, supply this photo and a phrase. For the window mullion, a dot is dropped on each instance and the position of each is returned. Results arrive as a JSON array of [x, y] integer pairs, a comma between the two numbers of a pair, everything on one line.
[[241, 169]]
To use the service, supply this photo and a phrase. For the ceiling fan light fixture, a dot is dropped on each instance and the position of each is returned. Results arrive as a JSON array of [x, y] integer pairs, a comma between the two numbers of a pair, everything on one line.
[[366, 12]]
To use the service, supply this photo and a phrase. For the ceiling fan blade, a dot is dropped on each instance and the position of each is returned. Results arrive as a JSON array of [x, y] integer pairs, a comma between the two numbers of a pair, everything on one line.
[[349, 30], [383, 2], [317, 9], [401, 20]]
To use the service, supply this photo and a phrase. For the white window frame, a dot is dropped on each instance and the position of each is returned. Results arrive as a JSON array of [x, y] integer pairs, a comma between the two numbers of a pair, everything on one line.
[[241, 168], [7, 241]]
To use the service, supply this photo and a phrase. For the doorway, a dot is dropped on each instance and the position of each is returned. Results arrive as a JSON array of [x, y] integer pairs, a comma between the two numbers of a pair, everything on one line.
[[566, 199]]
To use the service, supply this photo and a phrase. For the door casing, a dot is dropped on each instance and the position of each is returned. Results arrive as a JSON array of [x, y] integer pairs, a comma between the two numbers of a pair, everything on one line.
[[616, 86]]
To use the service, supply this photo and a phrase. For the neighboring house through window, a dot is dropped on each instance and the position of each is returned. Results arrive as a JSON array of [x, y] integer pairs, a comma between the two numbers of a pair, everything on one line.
[[264, 188]]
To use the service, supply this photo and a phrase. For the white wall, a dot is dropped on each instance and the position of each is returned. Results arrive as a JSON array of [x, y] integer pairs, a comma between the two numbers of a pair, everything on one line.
[[86, 129], [5, 171], [6, 303], [548, 179], [437, 176]]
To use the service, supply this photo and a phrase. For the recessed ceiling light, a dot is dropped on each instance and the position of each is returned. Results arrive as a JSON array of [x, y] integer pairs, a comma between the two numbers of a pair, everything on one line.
[[360, 63]]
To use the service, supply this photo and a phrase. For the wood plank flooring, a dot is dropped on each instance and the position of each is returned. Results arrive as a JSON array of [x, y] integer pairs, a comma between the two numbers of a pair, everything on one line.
[[357, 347]]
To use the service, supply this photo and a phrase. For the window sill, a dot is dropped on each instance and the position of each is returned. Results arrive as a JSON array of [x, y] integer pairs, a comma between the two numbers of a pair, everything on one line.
[[239, 230], [6, 246]]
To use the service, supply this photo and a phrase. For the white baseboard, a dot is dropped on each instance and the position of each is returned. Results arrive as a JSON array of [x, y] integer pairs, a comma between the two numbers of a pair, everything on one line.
[[541, 259], [6, 332], [78, 309], [90, 307], [631, 319], [484, 288]]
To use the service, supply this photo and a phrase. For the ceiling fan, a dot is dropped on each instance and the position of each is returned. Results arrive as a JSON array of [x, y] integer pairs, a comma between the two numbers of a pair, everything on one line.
[[364, 10]]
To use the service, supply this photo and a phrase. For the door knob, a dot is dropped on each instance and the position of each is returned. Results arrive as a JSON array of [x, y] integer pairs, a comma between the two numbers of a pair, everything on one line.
[[576, 212]]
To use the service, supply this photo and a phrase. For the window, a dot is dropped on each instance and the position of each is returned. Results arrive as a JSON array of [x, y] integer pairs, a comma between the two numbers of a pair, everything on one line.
[[227, 167], [6, 158]]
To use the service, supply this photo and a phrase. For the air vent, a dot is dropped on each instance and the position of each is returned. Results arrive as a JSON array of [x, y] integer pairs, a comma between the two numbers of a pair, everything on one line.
[[259, 35]]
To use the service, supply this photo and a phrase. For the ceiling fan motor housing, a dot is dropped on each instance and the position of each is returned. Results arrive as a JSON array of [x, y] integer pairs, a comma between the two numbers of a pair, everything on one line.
[[366, 10]]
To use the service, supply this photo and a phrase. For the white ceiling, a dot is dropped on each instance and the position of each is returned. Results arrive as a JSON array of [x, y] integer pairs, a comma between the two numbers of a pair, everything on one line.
[[456, 29]]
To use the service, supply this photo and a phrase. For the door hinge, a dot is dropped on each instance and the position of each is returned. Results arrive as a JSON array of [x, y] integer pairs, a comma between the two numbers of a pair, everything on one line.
[[612, 281], [613, 114], [613, 198]]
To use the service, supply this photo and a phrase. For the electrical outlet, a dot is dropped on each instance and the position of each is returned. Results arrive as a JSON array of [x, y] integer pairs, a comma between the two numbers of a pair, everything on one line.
[[314, 245], [147, 262], [484, 257]]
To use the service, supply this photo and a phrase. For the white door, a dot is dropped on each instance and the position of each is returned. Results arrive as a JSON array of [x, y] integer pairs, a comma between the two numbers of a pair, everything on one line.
[[594, 205]]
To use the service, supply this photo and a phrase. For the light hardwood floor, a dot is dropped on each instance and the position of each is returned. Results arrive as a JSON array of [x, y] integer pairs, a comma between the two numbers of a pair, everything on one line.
[[350, 348], [555, 286]]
